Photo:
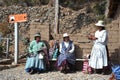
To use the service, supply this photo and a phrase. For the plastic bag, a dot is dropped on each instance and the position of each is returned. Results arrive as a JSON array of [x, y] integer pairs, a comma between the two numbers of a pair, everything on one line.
[[41, 56], [116, 71]]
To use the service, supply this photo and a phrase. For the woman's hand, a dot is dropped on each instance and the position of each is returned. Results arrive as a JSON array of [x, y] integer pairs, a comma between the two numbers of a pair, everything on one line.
[[90, 37], [94, 38]]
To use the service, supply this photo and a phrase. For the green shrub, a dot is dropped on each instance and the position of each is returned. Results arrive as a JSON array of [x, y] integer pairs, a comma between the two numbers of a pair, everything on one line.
[[1, 48], [4, 29], [99, 8], [73, 4], [26, 41], [100, 17]]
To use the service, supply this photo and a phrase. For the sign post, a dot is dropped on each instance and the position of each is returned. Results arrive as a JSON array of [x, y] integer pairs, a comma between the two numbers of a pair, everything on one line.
[[56, 31], [14, 19], [16, 43]]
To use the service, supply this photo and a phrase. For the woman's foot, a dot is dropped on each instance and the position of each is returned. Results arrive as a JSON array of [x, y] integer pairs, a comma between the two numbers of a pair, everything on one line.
[[112, 77], [38, 72], [93, 71], [31, 71], [63, 71]]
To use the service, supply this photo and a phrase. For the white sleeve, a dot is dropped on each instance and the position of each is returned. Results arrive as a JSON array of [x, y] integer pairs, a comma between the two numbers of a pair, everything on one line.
[[60, 48], [73, 48], [102, 38]]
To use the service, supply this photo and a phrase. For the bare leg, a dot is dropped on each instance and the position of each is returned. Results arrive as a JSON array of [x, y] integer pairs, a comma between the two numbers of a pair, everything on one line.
[[112, 77]]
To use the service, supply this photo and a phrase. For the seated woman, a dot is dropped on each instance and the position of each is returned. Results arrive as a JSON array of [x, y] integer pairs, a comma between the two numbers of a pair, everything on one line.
[[54, 49], [66, 59], [37, 56]]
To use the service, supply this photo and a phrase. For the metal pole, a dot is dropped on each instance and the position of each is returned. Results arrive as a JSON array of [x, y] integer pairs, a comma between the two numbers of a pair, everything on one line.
[[7, 48], [16, 43], [56, 16]]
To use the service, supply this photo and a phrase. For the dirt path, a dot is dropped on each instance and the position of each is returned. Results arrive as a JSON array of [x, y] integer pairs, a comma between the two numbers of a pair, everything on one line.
[[18, 73]]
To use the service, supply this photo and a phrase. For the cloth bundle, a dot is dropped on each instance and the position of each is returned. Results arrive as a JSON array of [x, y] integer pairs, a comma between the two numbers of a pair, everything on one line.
[[116, 71], [86, 67]]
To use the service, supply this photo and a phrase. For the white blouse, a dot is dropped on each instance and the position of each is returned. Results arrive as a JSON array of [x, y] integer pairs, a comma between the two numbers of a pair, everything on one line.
[[102, 37], [66, 45]]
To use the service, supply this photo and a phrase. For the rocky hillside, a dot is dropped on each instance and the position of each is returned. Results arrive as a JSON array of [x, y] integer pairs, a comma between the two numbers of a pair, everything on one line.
[[71, 18]]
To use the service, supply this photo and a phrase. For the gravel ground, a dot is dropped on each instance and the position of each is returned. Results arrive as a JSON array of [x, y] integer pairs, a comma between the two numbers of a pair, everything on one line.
[[18, 73]]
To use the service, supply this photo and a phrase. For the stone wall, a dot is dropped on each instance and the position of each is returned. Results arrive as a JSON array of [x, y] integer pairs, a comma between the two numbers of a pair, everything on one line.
[[69, 20], [114, 44], [83, 46], [37, 27]]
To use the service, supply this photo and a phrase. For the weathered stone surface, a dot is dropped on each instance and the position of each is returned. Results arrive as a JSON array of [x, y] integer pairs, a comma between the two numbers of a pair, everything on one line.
[[18, 73], [69, 21], [5, 61]]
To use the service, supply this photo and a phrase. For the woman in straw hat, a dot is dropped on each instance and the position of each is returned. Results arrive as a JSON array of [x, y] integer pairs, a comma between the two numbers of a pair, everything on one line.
[[98, 60], [37, 55], [66, 59]]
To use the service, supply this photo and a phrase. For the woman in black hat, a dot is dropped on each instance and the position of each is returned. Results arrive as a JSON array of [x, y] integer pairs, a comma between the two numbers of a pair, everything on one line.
[[37, 56]]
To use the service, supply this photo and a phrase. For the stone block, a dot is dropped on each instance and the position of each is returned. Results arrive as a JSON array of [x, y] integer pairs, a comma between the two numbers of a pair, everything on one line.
[[113, 40], [113, 32], [32, 26], [115, 27], [85, 46], [86, 51], [74, 39], [113, 37], [83, 39], [78, 51], [115, 45], [43, 29]]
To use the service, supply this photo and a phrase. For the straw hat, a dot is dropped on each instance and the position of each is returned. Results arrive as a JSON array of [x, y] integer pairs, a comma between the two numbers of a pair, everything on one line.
[[100, 23], [65, 35], [37, 35]]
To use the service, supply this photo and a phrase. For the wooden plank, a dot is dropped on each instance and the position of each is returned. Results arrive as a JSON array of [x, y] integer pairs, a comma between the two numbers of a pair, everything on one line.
[[76, 59]]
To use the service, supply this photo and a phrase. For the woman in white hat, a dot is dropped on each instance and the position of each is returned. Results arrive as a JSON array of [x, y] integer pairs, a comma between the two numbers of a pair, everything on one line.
[[98, 60], [66, 59], [37, 55]]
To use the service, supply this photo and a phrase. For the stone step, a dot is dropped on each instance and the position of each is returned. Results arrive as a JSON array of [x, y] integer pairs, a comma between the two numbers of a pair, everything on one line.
[[2, 67], [5, 61]]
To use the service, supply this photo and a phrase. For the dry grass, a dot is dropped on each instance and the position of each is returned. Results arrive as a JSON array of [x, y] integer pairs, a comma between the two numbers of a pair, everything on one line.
[[4, 29]]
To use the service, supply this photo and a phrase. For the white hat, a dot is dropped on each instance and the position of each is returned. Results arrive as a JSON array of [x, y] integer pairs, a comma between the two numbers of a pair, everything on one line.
[[65, 35], [37, 34], [100, 23]]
